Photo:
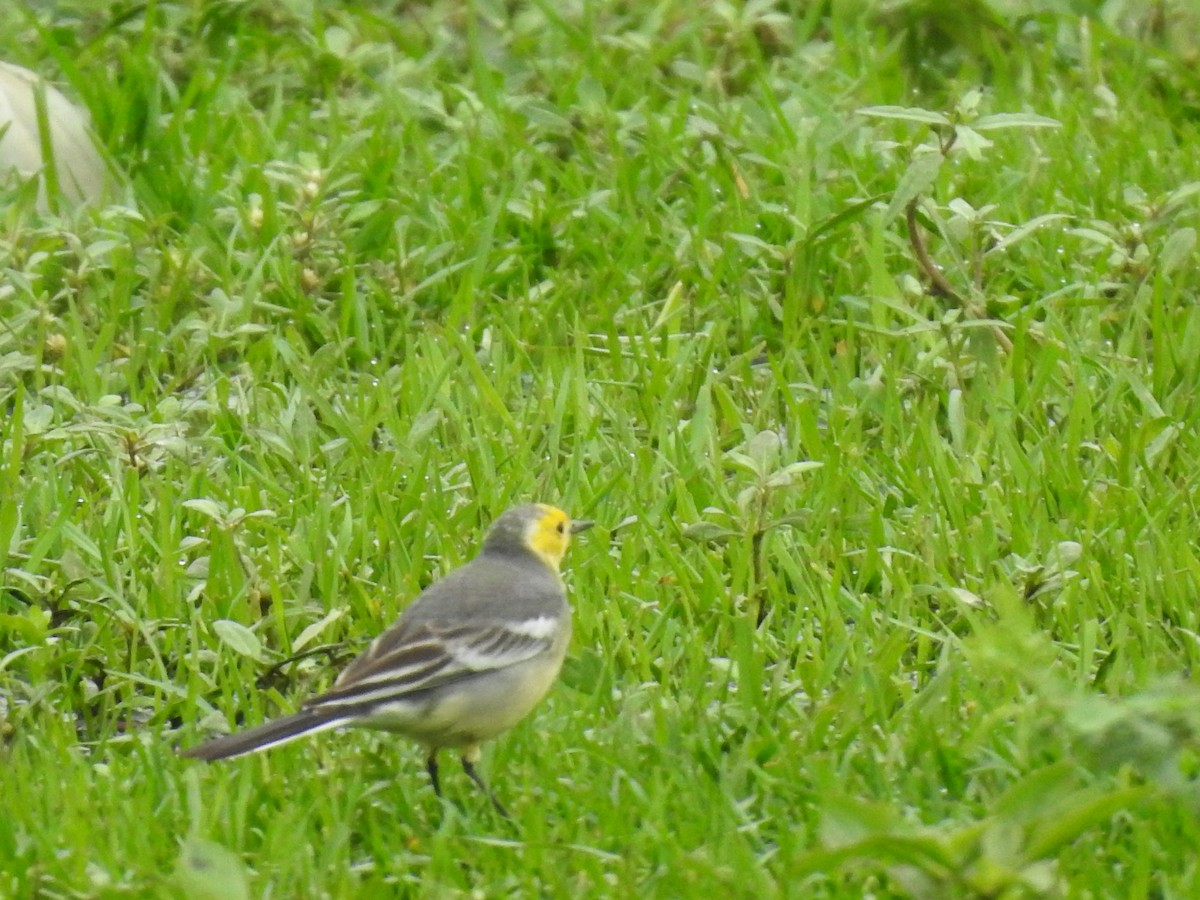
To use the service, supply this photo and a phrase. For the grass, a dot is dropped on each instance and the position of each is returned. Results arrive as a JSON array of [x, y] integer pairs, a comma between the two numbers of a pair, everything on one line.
[[893, 593]]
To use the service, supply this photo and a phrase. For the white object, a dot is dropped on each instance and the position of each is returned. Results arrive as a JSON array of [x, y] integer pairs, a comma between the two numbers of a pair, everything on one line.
[[82, 173]]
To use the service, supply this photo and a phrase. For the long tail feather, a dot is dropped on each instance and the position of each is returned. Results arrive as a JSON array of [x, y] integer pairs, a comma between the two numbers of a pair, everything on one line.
[[268, 735]]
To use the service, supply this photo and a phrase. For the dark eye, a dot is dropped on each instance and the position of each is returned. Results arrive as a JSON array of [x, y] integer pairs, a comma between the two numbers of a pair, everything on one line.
[[562, 527]]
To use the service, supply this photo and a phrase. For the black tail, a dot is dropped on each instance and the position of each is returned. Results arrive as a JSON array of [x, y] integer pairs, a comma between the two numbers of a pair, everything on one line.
[[268, 735]]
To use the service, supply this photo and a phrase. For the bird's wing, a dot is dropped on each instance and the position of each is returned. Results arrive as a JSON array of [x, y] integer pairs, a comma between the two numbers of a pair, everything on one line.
[[411, 658]]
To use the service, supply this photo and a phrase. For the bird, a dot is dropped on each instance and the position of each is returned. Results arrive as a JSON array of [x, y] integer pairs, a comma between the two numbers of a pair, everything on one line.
[[467, 660]]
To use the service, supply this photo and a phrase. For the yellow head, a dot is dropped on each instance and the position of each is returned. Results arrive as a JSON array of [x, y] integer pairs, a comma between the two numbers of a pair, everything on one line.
[[535, 527]]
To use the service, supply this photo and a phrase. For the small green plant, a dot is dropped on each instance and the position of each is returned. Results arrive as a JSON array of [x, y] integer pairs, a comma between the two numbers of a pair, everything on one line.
[[972, 235], [761, 479]]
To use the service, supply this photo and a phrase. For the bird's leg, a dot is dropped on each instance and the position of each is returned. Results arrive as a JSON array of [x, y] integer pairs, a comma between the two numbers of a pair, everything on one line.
[[431, 767], [469, 758], [469, 768]]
